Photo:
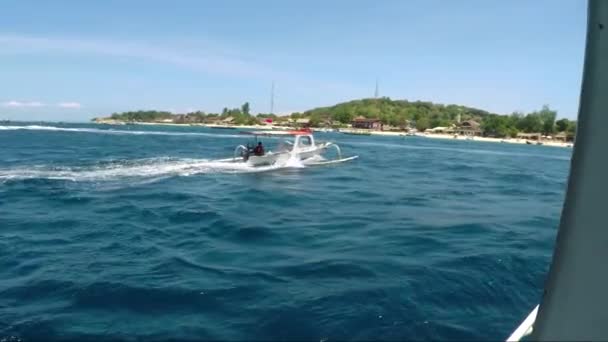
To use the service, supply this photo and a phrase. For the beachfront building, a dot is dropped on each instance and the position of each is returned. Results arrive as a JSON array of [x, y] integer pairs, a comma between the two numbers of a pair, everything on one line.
[[564, 137], [468, 128], [265, 121], [390, 128], [327, 123], [303, 122], [440, 130], [409, 126], [529, 136], [365, 123], [188, 118]]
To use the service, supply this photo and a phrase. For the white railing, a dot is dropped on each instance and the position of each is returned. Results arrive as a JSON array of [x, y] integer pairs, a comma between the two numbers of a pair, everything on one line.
[[525, 327]]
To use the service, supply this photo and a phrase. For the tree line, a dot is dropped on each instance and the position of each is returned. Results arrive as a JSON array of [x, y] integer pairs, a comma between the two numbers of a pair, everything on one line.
[[423, 115], [541, 121], [397, 113], [240, 116]]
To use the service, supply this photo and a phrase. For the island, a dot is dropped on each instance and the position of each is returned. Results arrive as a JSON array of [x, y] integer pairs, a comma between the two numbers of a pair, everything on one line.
[[381, 116]]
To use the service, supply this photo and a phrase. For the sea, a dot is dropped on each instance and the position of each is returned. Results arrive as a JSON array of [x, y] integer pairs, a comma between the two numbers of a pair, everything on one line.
[[137, 232]]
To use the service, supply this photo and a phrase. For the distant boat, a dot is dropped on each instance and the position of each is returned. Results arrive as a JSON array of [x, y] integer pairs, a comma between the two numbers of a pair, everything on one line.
[[324, 129], [528, 142], [357, 132], [222, 127]]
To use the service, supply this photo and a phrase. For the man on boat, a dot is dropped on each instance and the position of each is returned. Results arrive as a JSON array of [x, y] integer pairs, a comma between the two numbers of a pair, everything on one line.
[[259, 150]]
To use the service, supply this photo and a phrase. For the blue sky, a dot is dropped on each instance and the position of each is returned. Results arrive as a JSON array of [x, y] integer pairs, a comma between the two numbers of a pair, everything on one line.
[[73, 60]]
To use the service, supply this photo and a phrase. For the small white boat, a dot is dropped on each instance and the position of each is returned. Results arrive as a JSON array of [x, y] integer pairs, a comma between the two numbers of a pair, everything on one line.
[[299, 145]]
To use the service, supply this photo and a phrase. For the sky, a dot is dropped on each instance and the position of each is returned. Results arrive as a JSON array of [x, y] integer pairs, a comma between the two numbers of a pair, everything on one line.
[[73, 60]]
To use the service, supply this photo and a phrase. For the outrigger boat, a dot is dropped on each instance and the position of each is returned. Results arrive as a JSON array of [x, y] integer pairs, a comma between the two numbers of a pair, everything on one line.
[[297, 144]]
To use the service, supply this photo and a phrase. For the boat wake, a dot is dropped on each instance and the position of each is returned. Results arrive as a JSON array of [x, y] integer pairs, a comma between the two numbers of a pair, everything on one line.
[[156, 168], [114, 131], [151, 169]]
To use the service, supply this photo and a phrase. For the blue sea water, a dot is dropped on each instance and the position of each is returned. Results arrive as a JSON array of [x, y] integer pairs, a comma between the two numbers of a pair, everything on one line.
[[132, 232]]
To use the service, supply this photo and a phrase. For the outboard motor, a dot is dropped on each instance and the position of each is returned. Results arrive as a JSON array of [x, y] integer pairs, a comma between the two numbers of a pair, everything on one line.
[[246, 152], [241, 151]]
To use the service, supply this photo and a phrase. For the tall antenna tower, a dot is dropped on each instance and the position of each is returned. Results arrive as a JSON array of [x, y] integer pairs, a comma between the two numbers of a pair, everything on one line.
[[376, 91], [272, 98]]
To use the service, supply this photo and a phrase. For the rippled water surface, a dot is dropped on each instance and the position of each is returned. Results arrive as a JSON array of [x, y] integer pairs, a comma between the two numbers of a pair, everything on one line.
[[127, 232]]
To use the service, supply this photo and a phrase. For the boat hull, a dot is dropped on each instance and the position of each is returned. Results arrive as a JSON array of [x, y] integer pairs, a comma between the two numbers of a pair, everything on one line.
[[267, 159], [272, 158]]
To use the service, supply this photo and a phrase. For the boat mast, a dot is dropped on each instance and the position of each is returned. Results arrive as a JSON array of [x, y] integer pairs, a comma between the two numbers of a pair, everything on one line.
[[272, 98]]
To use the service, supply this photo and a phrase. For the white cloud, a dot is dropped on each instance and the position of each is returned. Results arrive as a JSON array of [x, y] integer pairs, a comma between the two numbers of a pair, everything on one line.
[[72, 105], [20, 104], [37, 104]]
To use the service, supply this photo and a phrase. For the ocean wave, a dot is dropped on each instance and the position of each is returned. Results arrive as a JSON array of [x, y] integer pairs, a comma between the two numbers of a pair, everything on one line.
[[115, 131], [459, 150], [405, 243]]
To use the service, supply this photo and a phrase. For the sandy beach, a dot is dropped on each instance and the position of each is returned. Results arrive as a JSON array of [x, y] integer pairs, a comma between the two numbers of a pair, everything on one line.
[[371, 132], [460, 137], [496, 140]]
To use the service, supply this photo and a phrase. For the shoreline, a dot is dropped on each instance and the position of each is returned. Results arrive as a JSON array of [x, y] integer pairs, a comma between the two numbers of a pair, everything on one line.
[[262, 127], [122, 123], [346, 131], [499, 140], [461, 137], [483, 139]]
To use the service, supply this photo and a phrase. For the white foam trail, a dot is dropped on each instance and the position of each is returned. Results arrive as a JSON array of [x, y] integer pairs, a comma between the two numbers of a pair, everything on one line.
[[115, 131], [293, 162], [157, 168], [314, 159]]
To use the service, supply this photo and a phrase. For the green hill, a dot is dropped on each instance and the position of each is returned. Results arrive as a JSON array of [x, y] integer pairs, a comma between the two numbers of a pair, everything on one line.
[[423, 115], [395, 112]]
